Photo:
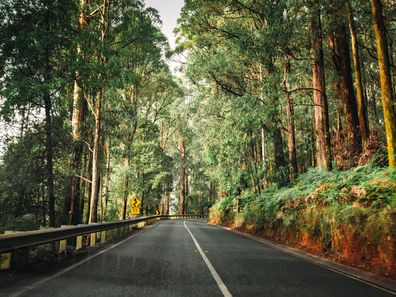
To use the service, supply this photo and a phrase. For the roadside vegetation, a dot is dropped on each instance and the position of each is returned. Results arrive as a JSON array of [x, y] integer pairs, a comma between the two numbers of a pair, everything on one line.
[[345, 215]]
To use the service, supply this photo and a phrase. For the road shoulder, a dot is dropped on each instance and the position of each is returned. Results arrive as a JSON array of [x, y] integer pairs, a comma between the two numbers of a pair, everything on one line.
[[362, 276]]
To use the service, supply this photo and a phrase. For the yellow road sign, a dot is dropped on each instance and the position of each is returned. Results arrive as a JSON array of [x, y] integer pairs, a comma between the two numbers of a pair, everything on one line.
[[135, 202], [157, 212], [135, 211]]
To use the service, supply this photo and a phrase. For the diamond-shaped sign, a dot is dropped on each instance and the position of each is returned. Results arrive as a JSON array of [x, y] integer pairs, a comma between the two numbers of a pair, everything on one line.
[[135, 202]]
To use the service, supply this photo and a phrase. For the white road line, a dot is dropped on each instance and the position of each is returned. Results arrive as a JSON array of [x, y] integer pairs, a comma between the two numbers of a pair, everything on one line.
[[59, 273], [215, 275]]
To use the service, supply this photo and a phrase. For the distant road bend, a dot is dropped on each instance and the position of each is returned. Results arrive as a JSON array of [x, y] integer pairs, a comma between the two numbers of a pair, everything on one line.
[[177, 258]]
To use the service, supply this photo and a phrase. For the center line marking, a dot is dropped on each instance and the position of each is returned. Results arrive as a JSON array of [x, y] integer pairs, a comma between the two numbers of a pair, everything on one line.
[[215, 275]]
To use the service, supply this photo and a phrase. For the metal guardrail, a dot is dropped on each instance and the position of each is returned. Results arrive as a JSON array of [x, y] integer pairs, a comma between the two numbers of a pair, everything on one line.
[[20, 240]]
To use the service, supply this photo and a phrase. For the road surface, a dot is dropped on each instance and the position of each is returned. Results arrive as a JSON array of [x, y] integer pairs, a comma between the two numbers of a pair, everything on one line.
[[178, 258]]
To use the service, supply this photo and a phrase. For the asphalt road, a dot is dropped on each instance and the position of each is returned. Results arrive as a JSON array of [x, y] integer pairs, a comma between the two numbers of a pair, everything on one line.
[[190, 259]]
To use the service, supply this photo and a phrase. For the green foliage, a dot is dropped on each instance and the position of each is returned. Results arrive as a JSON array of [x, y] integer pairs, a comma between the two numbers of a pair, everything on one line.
[[23, 175], [319, 202]]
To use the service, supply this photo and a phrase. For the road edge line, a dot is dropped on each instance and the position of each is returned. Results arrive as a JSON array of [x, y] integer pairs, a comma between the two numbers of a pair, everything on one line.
[[67, 269], [347, 271], [215, 275]]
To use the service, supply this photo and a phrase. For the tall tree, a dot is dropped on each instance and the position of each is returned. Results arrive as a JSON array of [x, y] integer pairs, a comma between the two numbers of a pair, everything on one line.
[[182, 178], [323, 148], [97, 110], [78, 114], [339, 49], [291, 130], [361, 100], [388, 100]]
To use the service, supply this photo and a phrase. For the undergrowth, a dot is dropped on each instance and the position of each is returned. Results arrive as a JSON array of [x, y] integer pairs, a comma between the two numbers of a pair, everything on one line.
[[344, 213]]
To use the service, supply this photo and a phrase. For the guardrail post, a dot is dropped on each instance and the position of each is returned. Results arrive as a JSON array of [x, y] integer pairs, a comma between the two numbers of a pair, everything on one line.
[[5, 258], [78, 242], [103, 236], [63, 243], [92, 239], [5, 262], [62, 246]]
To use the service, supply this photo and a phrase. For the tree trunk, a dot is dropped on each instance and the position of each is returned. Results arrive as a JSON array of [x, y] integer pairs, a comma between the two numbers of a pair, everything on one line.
[[101, 198], [83, 186], [339, 48], [291, 131], [323, 150], [49, 159], [98, 186], [125, 199], [143, 195], [388, 101], [95, 159], [361, 102], [182, 182], [124, 207], [98, 116], [166, 203], [44, 211], [280, 162], [49, 144], [107, 182], [186, 179], [72, 204], [279, 156], [89, 187]]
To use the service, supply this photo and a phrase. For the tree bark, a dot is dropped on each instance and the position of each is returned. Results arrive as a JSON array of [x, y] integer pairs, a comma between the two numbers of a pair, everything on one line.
[[83, 185], [361, 102], [182, 182], [49, 159], [279, 156], [291, 131], [323, 150], [107, 182], [339, 48], [388, 100], [186, 179], [280, 162], [88, 184], [95, 159], [98, 118], [73, 194], [166, 203], [126, 191]]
